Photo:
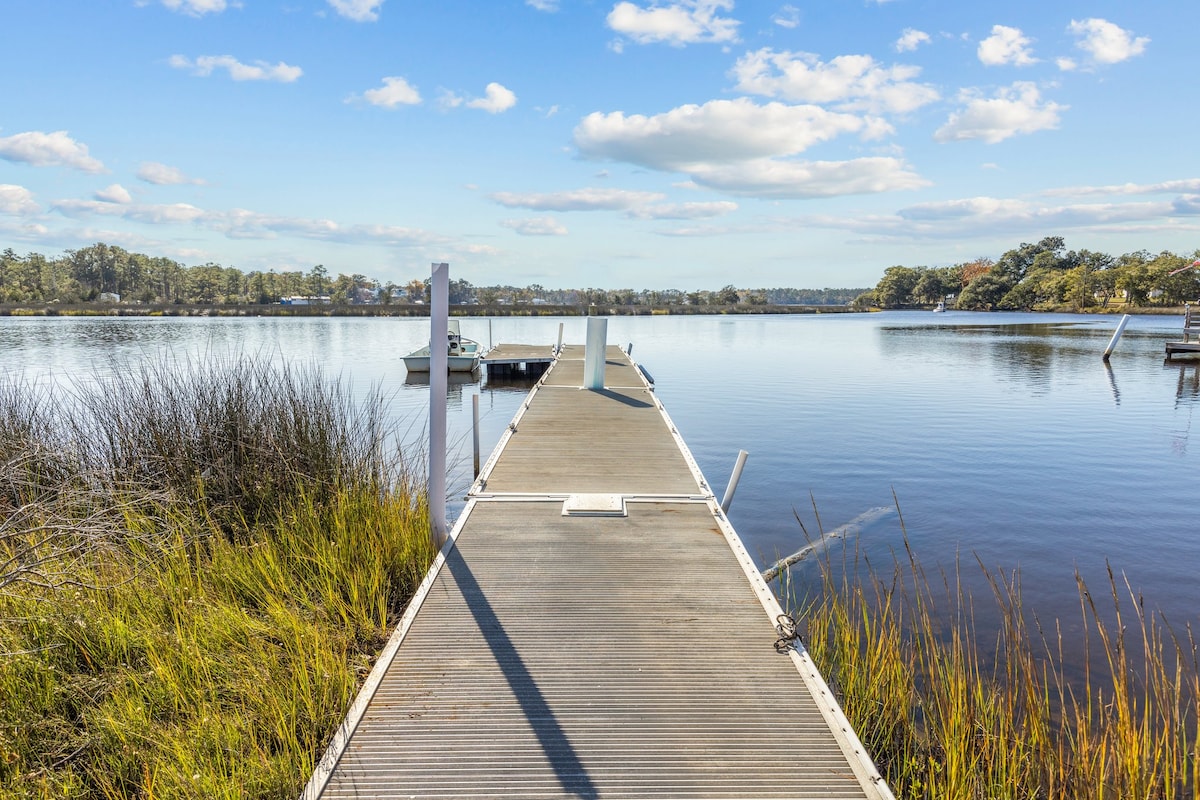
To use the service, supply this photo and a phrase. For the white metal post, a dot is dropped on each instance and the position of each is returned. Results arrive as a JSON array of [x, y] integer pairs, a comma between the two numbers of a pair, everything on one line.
[[558, 348], [1116, 337], [439, 326], [475, 430], [727, 500], [593, 359]]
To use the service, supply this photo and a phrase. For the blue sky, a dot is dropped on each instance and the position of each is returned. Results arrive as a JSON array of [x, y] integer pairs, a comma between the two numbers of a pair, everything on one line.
[[675, 144]]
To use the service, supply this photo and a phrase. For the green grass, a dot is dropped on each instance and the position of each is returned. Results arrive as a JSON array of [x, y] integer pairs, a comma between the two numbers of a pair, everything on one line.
[[181, 635], [947, 713]]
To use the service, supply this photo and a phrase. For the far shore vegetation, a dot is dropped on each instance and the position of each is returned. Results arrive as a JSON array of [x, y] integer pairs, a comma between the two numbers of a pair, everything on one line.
[[1045, 277], [103, 278], [106, 280]]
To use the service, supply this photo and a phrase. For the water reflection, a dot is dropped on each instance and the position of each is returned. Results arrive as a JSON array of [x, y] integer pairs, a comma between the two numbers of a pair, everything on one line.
[[1112, 383], [1187, 387]]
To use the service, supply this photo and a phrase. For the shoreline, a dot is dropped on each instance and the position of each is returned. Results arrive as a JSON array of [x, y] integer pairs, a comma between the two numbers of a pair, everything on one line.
[[413, 310]]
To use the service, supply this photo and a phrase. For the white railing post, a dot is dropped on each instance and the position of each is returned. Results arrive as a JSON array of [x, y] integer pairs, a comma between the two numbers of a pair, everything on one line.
[[439, 326]]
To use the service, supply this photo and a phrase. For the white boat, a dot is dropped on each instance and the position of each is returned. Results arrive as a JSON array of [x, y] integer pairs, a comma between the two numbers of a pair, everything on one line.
[[462, 354], [941, 306]]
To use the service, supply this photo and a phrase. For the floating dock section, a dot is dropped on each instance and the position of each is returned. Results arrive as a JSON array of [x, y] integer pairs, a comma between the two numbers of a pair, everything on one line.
[[594, 628], [517, 360]]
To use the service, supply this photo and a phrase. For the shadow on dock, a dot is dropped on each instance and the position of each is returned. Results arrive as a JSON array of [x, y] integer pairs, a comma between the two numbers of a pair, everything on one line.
[[569, 770]]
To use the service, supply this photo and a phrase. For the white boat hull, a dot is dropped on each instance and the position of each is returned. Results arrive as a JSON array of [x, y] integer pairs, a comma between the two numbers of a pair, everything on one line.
[[420, 363]]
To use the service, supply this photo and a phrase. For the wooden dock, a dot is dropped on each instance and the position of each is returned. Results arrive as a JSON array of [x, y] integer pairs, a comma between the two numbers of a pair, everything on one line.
[[594, 628], [1191, 335]]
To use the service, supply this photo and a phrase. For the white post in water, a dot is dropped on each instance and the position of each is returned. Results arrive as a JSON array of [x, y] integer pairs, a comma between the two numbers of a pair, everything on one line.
[[593, 359], [727, 500], [439, 325], [1116, 337]]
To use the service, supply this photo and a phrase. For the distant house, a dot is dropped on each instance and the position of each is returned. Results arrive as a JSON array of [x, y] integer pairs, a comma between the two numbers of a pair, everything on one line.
[[109, 297], [305, 300]]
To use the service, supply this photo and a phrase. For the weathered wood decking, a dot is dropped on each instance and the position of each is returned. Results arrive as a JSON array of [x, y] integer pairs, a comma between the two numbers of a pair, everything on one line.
[[593, 656]]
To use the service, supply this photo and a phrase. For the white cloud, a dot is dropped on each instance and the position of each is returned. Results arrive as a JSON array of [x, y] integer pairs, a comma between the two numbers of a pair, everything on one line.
[[910, 39], [541, 226], [787, 17], [989, 216], [576, 200], [258, 71], [549, 6], [743, 148], [163, 175], [152, 214], [497, 99], [17, 201], [449, 99], [48, 150], [684, 210], [395, 92], [1006, 46], [1066, 64], [114, 194], [1105, 42], [852, 81], [1185, 186], [675, 23], [778, 178], [719, 131], [358, 10], [240, 223], [196, 8], [1016, 109]]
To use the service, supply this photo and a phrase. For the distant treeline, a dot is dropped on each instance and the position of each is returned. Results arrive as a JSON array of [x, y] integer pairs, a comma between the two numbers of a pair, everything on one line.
[[103, 273], [1043, 277]]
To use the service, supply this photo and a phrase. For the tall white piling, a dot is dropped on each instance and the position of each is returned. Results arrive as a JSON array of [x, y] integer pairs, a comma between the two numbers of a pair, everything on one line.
[[439, 325], [594, 356], [475, 430], [1116, 337]]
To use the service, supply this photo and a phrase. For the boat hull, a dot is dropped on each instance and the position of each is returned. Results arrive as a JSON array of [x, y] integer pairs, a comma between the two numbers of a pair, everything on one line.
[[420, 363]]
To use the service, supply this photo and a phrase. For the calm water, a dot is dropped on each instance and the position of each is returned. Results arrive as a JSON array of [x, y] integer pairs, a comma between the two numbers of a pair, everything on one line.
[[1003, 436]]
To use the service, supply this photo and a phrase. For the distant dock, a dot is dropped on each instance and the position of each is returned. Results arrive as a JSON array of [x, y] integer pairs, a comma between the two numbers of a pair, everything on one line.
[[593, 628]]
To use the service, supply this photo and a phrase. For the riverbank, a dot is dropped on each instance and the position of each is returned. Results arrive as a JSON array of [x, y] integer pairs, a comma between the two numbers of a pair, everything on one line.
[[400, 310], [196, 574], [946, 712]]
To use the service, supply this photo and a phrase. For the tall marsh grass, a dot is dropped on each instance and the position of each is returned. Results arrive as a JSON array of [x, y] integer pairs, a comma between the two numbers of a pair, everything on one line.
[[198, 563], [950, 713]]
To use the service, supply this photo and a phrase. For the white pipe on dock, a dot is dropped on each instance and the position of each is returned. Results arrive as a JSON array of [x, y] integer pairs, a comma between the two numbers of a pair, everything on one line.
[[439, 324], [1116, 337], [594, 356], [727, 500]]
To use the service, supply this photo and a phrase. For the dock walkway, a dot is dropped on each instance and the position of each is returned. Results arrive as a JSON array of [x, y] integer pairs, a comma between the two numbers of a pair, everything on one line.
[[626, 651]]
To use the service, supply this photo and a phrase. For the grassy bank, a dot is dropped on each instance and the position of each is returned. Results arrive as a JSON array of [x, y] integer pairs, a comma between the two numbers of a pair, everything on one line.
[[947, 713], [197, 565]]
